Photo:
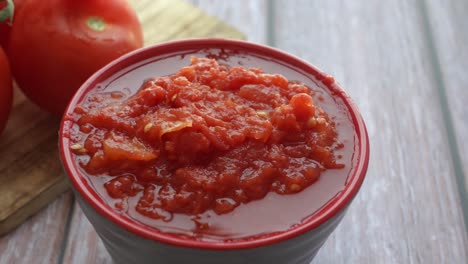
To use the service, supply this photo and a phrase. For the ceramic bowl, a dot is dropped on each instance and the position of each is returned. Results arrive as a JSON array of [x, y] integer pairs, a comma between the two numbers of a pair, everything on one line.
[[129, 241]]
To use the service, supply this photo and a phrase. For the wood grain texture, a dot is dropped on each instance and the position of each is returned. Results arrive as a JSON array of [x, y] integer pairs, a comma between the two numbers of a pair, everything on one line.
[[161, 20], [449, 26], [250, 17], [31, 174], [408, 210], [39, 239], [164, 20]]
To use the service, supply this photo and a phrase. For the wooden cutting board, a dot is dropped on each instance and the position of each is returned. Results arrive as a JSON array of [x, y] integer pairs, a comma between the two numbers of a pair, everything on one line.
[[30, 172]]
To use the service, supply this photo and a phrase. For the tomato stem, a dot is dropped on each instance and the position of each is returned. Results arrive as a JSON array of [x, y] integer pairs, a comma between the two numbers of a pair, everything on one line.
[[7, 11], [96, 23]]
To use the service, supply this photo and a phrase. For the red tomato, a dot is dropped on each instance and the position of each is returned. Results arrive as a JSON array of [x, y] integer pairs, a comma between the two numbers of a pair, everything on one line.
[[56, 45], [6, 21], [6, 90]]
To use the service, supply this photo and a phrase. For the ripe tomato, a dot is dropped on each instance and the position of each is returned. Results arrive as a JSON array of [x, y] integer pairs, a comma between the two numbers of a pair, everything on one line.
[[56, 45], [6, 90]]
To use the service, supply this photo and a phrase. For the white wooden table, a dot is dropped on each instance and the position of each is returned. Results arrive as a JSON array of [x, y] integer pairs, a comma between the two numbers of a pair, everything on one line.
[[405, 63]]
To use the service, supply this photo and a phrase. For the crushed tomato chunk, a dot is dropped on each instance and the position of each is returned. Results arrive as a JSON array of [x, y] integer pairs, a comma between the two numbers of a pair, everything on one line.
[[209, 137]]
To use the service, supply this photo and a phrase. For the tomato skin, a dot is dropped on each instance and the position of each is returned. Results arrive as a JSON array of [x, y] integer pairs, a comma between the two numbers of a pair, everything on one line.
[[6, 90], [53, 50]]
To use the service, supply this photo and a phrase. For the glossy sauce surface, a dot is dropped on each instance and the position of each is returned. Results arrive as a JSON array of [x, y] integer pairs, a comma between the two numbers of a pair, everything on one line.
[[211, 214]]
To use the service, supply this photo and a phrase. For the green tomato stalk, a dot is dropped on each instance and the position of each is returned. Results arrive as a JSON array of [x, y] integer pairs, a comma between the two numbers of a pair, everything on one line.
[[7, 11], [96, 23]]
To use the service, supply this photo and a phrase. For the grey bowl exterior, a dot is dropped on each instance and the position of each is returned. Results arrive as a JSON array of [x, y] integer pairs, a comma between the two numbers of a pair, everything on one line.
[[128, 248]]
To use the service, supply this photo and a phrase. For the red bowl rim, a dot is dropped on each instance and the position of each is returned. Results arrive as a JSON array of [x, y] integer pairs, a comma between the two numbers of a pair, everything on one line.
[[333, 207]]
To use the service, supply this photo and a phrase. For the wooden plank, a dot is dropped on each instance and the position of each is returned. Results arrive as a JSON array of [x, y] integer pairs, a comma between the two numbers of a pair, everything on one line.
[[408, 210], [39, 239], [31, 174], [448, 23], [250, 17], [161, 20], [164, 20]]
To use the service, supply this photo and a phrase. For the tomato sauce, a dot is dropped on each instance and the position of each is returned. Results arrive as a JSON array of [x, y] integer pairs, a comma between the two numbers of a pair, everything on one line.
[[192, 152]]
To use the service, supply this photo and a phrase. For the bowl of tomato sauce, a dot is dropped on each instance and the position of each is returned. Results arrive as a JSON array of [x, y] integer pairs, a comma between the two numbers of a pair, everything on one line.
[[213, 151]]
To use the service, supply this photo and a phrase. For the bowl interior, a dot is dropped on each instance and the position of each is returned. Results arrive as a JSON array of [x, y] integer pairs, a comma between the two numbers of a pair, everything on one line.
[[332, 195]]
